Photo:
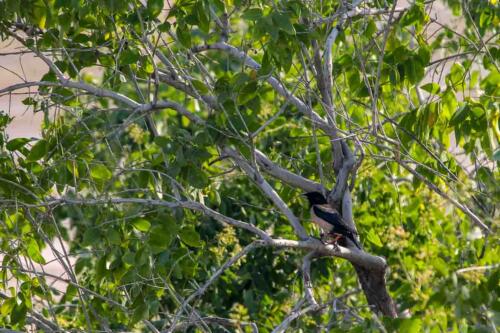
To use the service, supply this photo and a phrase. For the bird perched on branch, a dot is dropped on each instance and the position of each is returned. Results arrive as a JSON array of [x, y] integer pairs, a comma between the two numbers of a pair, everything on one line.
[[329, 220]]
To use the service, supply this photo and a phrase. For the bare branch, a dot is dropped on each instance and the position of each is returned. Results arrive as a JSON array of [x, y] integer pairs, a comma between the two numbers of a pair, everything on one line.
[[336, 195], [306, 278], [226, 322], [151, 202], [275, 83], [370, 262], [286, 176], [375, 111], [355, 256], [359, 12], [476, 268], [466, 210], [200, 291], [294, 315], [268, 190], [100, 92], [171, 81]]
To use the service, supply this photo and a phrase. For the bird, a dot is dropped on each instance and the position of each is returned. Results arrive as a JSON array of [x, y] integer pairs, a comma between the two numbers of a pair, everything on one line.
[[329, 219]]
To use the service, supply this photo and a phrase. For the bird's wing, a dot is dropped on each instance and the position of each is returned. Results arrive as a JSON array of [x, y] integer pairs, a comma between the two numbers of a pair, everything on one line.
[[334, 219]]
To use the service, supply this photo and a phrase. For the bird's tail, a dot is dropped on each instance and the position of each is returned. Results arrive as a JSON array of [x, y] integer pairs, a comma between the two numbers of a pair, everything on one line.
[[353, 239]]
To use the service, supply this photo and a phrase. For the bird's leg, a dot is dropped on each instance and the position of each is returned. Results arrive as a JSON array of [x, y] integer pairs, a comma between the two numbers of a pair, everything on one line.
[[333, 240], [327, 239]]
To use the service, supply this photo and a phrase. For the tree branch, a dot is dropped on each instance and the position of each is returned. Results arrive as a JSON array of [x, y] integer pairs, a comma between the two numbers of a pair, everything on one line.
[[268, 190], [285, 175], [169, 204], [226, 322], [466, 210], [306, 278], [275, 83], [294, 315], [200, 291], [336, 195]]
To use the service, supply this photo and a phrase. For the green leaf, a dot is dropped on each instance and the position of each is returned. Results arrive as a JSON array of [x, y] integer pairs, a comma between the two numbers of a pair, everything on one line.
[[414, 70], [496, 155], [189, 236], [252, 14], [248, 92], [283, 22], [441, 266], [129, 57], [34, 252], [184, 35], [17, 143], [29, 101], [413, 16], [7, 306], [455, 78], [141, 224], [38, 151], [164, 27], [374, 238], [18, 315], [410, 325], [155, 7], [100, 172], [202, 15], [200, 86], [197, 179], [91, 236], [140, 312], [432, 88], [114, 237], [129, 258], [160, 238], [147, 66]]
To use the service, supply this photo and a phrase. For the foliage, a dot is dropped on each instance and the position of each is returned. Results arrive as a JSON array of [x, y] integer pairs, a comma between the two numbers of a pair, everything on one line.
[[136, 261]]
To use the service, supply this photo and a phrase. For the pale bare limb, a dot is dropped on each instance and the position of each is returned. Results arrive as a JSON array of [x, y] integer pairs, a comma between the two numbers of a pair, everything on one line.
[[200, 291], [306, 278], [286, 176], [337, 194], [476, 268], [226, 322], [294, 315], [268, 190], [184, 204], [466, 210], [275, 83], [100, 92]]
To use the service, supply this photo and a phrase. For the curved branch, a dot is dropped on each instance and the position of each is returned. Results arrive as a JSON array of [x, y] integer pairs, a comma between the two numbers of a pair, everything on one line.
[[169, 204], [306, 278], [200, 291], [268, 190], [100, 92], [226, 322], [294, 315], [336, 195], [274, 82], [466, 210], [285, 175], [368, 261]]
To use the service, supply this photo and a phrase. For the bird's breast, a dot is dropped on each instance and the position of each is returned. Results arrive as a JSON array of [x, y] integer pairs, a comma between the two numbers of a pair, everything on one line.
[[327, 227]]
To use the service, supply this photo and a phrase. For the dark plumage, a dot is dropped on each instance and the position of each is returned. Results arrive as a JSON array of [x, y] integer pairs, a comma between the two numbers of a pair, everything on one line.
[[329, 219], [315, 198]]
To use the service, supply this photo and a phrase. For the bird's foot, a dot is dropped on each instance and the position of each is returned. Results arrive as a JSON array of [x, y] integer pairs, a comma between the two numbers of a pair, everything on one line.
[[324, 238], [332, 239]]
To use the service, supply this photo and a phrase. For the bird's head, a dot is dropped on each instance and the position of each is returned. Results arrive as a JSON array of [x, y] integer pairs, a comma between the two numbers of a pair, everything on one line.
[[315, 198]]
